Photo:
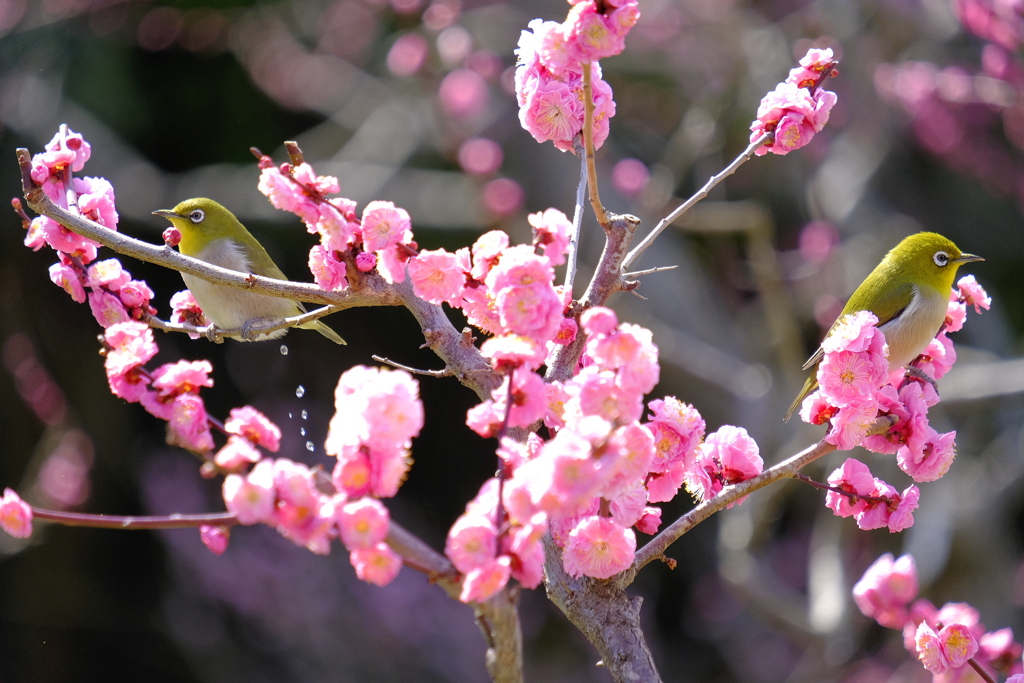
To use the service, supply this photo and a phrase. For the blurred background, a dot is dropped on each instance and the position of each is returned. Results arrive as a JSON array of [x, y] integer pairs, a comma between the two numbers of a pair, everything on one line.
[[411, 101]]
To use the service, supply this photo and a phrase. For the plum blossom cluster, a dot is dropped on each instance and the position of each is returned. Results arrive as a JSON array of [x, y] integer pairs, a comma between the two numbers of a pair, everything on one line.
[[798, 108], [856, 387], [552, 58], [380, 238], [945, 639], [112, 294], [597, 477], [378, 412]]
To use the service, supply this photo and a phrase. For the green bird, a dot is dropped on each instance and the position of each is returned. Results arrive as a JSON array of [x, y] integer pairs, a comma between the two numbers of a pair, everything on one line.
[[909, 293], [211, 233]]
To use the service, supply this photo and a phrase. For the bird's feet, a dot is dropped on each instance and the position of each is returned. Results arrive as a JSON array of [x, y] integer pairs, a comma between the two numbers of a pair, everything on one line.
[[916, 373]]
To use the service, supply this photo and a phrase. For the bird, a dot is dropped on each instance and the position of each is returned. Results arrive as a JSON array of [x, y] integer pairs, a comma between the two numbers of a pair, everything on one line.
[[211, 233], [909, 293]]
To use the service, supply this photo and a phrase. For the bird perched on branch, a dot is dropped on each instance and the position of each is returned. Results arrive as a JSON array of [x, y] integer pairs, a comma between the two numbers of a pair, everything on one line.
[[211, 233], [909, 293]]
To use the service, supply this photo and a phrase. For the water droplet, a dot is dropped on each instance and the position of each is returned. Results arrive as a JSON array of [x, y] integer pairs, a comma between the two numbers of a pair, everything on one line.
[[310, 447], [284, 349], [300, 391], [305, 415], [302, 431], [289, 416]]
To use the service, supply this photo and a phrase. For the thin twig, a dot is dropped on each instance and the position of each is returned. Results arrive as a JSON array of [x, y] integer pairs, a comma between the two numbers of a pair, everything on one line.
[[588, 143], [175, 521], [981, 672], [649, 271], [701, 194], [786, 469], [572, 254], [411, 370]]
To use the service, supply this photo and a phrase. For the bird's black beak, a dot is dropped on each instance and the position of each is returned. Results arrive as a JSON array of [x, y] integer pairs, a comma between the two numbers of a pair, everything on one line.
[[967, 258], [166, 213]]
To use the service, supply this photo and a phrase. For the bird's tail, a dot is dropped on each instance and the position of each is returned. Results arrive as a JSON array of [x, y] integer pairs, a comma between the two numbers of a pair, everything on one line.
[[810, 385], [323, 329]]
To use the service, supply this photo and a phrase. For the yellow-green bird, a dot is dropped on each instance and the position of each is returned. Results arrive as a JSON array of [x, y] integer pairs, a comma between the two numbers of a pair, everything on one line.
[[909, 293], [211, 233]]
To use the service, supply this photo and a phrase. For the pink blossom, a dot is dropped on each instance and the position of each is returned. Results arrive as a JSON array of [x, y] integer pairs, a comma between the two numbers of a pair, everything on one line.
[[365, 261], [472, 542], [853, 477], [236, 454], [384, 225], [956, 313], [950, 648], [932, 461], [107, 308], [251, 497], [486, 252], [285, 194], [593, 392], [186, 310], [61, 239], [973, 294], [108, 274], [650, 521], [136, 295], [598, 547], [215, 538], [847, 377], [485, 418], [530, 310], [903, 516], [328, 272], [254, 426], [378, 408], [678, 430], [627, 504], [183, 376], [886, 588], [551, 231], [727, 456], [599, 320], [96, 200], [66, 149], [632, 447], [524, 547], [362, 523], [378, 565], [301, 512], [188, 425], [510, 351], [551, 111], [353, 474], [129, 346], [437, 277], [391, 263], [663, 486], [68, 279], [15, 515], [850, 425], [593, 34], [811, 68], [482, 583]]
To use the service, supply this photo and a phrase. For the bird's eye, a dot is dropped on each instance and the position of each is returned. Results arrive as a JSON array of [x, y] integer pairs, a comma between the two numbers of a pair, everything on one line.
[[941, 258], [198, 215]]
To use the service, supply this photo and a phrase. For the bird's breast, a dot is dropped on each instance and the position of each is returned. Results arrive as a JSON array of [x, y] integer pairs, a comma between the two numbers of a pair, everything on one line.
[[910, 332]]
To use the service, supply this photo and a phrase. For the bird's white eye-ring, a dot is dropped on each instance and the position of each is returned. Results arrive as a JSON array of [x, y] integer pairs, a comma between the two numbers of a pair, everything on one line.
[[198, 215], [941, 258]]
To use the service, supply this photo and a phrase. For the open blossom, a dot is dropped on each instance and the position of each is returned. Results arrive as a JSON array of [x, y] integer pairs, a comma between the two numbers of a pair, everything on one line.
[[592, 33], [362, 523], [15, 515], [551, 231], [973, 294], [188, 424], [795, 111], [727, 456], [482, 583], [439, 276], [237, 454], [598, 547], [68, 279], [251, 497], [254, 426], [378, 565], [328, 272], [472, 542], [886, 588], [385, 225], [950, 648], [185, 309], [129, 346]]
